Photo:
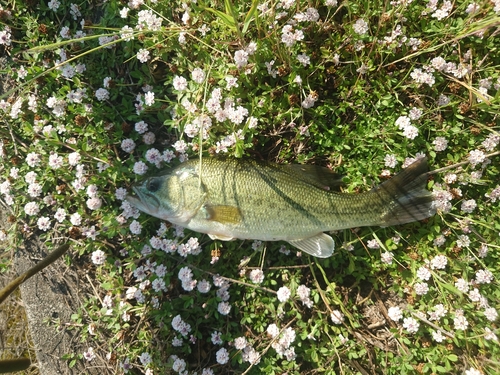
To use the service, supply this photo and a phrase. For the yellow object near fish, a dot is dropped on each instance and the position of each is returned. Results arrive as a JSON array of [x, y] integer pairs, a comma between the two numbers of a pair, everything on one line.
[[247, 199]]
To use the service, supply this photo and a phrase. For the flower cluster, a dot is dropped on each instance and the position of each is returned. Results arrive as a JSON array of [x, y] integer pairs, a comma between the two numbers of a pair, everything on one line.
[[181, 326], [303, 292], [404, 123], [248, 353], [186, 277], [282, 341]]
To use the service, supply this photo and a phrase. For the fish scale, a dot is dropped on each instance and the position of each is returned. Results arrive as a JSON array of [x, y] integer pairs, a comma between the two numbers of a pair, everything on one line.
[[247, 199]]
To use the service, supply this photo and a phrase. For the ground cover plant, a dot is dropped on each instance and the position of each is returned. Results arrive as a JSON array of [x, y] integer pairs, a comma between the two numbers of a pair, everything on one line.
[[107, 93]]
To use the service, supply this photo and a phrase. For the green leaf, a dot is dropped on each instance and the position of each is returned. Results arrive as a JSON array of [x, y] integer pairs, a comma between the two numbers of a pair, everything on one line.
[[249, 16], [238, 148], [226, 18], [230, 10], [107, 286]]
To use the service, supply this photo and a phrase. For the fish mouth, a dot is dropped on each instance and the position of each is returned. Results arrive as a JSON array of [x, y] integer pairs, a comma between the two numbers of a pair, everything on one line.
[[143, 202]]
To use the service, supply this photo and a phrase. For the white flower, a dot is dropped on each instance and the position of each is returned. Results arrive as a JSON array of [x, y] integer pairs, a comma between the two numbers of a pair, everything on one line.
[[140, 168], [102, 94], [241, 58], [140, 127], [145, 358], [411, 325], [283, 294], [303, 292], [89, 355], [143, 55], [337, 317], [289, 36], [75, 219], [60, 215], [440, 144], [43, 223], [74, 158], [231, 82], [423, 273], [54, 5], [33, 159], [257, 276], [185, 274], [222, 356], [395, 313], [224, 308], [402, 122], [460, 322], [273, 330], [216, 338], [124, 12], [94, 203], [415, 113], [386, 257], [127, 33], [484, 276], [437, 336], [490, 335], [390, 161], [439, 262], [421, 288], [463, 240], [476, 157], [179, 365], [180, 83], [240, 343], [34, 190], [410, 132], [98, 257], [309, 101], [422, 77], [462, 285], [149, 98], [360, 27], [203, 286], [158, 285], [438, 313], [135, 227], [304, 59], [55, 161], [473, 371]]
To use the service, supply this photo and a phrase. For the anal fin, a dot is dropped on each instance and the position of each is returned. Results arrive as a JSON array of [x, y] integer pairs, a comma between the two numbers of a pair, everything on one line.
[[320, 245], [220, 237]]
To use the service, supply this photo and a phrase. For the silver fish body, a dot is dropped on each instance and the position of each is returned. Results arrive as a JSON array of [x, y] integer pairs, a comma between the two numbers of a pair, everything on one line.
[[247, 199]]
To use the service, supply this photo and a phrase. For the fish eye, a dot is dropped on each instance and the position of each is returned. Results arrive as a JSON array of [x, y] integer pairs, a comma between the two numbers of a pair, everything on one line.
[[153, 184]]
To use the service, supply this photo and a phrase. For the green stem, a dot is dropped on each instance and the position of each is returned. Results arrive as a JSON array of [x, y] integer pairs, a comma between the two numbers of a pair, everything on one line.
[[10, 287]]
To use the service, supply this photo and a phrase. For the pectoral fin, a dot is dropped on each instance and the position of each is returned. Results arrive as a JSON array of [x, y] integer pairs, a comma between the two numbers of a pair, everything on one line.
[[223, 214], [320, 245]]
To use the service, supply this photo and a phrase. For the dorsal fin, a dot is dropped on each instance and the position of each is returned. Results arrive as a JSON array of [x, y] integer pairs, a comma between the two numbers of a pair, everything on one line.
[[320, 177]]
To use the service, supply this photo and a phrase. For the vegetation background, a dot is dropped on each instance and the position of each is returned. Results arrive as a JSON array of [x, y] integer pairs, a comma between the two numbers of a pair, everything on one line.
[[107, 92]]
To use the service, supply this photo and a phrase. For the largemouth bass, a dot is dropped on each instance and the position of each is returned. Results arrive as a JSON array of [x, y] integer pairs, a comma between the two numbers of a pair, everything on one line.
[[247, 199]]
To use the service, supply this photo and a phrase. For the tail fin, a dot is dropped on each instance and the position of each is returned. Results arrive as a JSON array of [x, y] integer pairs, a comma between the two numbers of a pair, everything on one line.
[[405, 197]]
